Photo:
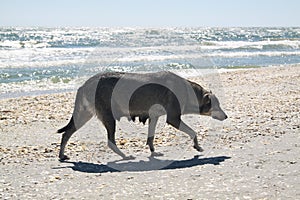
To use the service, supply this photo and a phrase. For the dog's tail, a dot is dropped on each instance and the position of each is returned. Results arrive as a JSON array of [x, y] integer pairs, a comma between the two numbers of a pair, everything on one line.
[[69, 126]]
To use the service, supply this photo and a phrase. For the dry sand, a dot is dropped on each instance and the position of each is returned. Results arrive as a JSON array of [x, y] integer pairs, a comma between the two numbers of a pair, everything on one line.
[[255, 154]]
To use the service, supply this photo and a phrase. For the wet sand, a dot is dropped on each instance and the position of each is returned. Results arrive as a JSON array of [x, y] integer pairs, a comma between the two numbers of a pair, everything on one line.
[[252, 155]]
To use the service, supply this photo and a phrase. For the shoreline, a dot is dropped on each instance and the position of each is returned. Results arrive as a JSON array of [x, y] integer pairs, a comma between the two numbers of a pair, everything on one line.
[[185, 73], [252, 155]]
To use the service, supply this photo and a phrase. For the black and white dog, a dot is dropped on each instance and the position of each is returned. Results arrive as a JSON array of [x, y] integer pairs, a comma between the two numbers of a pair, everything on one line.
[[111, 96]]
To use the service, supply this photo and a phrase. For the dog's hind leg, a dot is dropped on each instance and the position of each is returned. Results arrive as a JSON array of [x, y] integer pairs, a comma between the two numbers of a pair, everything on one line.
[[110, 124], [180, 125], [82, 113], [76, 122], [68, 132], [151, 133]]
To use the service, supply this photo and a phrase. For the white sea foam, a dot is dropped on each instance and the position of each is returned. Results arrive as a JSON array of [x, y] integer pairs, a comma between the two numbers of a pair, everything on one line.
[[23, 44], [253, 54], [249, 45], [42, 57], [46, 57], [16, 89]]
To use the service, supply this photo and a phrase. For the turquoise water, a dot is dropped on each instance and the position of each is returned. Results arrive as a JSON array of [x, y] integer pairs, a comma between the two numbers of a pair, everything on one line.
[[43, 60]]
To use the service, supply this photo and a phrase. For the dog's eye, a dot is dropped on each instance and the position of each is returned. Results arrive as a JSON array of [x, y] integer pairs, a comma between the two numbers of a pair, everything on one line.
[[208, 104], [207, 99], [206, 107]]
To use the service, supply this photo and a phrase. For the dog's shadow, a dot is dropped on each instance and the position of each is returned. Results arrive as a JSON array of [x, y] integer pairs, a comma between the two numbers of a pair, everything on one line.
[[152, 164]]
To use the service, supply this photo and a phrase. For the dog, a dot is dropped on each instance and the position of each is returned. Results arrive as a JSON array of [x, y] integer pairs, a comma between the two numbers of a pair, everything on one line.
[[113, 95]]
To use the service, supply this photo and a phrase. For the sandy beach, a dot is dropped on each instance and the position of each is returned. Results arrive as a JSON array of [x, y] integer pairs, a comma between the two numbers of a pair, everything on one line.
[[254, 154]]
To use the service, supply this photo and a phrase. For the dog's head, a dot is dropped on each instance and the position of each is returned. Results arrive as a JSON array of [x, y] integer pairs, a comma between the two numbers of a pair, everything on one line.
[[210, 106]]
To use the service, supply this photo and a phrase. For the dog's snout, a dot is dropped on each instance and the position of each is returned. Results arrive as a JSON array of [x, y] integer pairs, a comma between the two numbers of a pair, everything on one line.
[[219, 115]]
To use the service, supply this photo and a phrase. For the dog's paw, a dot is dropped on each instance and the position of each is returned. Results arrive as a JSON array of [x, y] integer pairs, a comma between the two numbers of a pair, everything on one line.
[[198, 148], [156, 154], [128, 158], [63, 158]]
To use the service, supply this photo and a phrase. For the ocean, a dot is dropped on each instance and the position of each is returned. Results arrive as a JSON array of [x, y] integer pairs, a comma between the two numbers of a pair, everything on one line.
[[35, 60]]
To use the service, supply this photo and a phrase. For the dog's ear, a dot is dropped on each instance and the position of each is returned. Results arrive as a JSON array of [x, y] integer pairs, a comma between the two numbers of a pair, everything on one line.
[[206, 98]]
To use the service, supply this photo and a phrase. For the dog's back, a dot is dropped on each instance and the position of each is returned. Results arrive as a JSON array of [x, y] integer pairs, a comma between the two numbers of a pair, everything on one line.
[[130, 94]]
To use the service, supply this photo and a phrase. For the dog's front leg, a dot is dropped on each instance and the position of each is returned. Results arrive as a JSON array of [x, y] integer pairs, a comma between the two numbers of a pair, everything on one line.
[[180, 125], [110, 125], [151, 133]]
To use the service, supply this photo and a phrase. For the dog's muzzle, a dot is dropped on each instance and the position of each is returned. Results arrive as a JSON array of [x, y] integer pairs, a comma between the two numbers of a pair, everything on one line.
[[219, 115]]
